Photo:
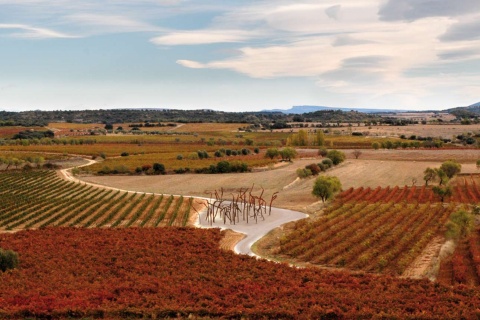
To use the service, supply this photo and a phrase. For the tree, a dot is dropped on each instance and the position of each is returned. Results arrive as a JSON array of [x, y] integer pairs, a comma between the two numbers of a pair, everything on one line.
[[336, 156], [442, 191], [288, 154], [442, 176], [375, 145], [451, 168], [108, 126], [158, 168], [460, 224], [428, 175], [319, 138], [271, 153], [8, 259], [357, 153], [478, 164], [325, 187]]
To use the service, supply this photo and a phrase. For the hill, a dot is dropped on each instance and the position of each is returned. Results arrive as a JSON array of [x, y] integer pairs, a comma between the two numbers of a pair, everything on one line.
[[310, 109]]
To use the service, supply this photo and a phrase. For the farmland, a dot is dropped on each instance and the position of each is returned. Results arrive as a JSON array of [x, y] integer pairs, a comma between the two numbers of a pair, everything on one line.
[[381, 223], [180, 273], [62, 203]]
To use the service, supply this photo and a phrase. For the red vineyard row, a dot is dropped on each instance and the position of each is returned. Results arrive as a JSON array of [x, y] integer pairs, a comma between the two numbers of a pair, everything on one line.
[[464, 190], [379, 237], [463, 267], [167, 272]]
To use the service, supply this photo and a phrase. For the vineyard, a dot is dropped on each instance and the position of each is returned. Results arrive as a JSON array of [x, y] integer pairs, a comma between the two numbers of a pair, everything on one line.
[[181, 273], [375, 237], [464, 190], [39, 199], [463, 267]]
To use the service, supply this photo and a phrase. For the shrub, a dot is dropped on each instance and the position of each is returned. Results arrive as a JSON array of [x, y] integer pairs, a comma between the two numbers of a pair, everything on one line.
[[327, 163], [8, 259], [124, 154], [218, 154], [193, 156], [303, 173], [146, 167], [179, 157], [158, 168], [314, 168], [256, 150], [322, 166], [322, 152], [336, 156], [245, 151]]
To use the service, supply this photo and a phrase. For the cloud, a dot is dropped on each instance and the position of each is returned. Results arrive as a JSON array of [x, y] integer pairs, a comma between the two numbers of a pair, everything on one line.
[[457, 54], [201, 37], [410, 10], [110, 23], [333, 12], [347, 40], [191, 64], [30, 32], [463, 31]]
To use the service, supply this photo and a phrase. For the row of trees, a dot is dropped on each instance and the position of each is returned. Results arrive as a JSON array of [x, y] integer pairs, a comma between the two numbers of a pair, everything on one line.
[[17, 162], [287, 154]]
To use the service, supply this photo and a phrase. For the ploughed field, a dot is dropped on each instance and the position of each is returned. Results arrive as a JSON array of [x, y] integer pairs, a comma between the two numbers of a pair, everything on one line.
[[181, 272], [40, 199]]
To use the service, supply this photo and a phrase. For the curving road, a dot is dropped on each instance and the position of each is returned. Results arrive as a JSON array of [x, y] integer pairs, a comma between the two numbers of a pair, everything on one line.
[[253, 231]]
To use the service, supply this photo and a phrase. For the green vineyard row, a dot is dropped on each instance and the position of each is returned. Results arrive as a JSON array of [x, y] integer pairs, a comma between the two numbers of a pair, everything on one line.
[[40, 199]]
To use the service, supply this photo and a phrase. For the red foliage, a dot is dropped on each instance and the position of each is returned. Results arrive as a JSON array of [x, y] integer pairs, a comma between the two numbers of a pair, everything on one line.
[[180, 272]]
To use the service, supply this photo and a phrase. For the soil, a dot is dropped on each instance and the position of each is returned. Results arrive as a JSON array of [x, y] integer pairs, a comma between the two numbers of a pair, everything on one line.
[[230, 239], [422, 266]]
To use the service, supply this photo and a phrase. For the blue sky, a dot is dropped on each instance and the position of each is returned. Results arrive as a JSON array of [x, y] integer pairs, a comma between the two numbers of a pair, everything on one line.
[[238, 55]]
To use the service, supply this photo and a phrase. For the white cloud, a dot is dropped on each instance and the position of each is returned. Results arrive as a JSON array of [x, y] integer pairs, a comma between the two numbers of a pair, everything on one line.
[[201, 37], [26, 31], [110, 23]]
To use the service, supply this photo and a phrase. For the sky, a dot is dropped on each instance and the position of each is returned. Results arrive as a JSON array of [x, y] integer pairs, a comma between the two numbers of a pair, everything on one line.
[[238, 55]]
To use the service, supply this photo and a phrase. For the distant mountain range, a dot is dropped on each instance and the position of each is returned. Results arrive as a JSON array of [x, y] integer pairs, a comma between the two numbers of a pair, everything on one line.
[[474, 108], [307, 109]]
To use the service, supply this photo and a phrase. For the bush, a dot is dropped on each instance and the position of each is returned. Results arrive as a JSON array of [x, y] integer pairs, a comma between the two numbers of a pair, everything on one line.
[[256, 150], [314, 168], [336, 156], [327, 163], [8, 260], [179, 157], [158, 168], [303, 173], [322, 152], [181, 170], [124, 154]]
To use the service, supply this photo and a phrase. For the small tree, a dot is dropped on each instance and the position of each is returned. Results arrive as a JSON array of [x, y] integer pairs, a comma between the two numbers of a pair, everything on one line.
[[322, 152], [325, 187], [451, 168], [336, 156], [357, 153], [460, 224], [442, 191], [442, 176], [158, 168], [288, 154], [8, 260], [271, 153], [429, 175]]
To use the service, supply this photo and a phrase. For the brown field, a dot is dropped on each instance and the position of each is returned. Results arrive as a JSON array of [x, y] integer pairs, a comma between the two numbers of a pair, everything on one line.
[[372, 169], [75, 126]]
